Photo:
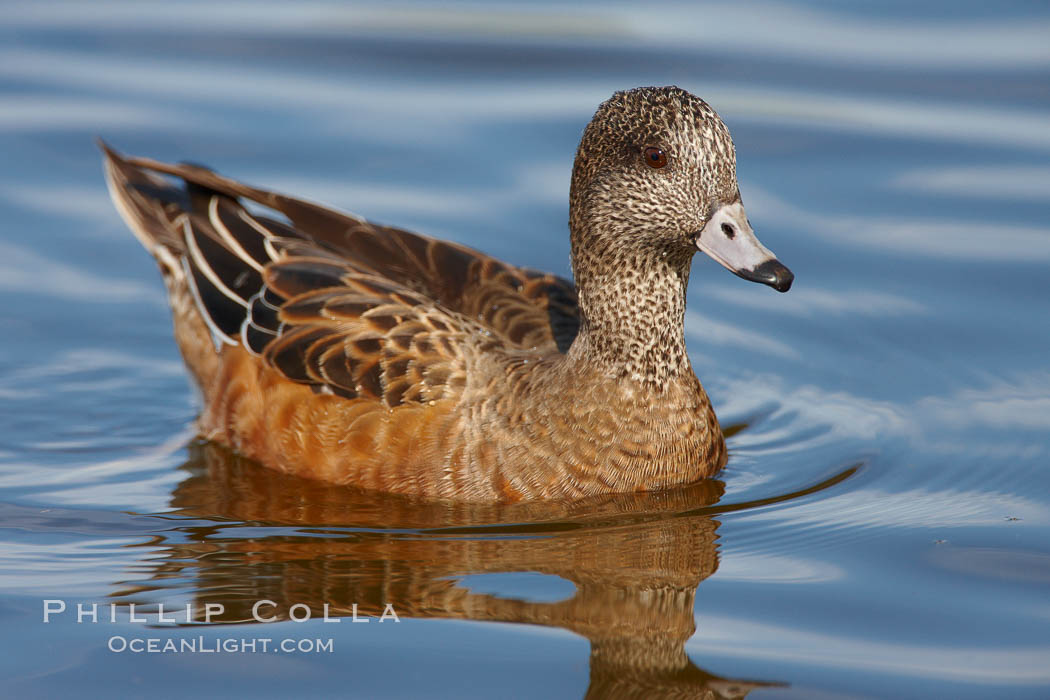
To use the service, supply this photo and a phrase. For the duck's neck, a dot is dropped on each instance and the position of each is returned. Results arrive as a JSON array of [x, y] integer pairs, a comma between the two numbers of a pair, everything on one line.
[[632, 306]]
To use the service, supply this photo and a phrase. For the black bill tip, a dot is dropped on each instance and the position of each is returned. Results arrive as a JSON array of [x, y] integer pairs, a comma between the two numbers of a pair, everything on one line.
[[771, 272]]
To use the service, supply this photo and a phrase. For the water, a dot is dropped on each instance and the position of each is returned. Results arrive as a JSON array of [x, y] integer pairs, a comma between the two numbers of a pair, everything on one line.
[[881, 529]]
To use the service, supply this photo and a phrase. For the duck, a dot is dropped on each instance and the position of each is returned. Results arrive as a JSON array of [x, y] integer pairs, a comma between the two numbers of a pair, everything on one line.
[[335, 348]]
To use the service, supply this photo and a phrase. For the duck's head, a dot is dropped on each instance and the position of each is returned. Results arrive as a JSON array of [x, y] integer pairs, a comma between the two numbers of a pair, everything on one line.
[[655, 175]]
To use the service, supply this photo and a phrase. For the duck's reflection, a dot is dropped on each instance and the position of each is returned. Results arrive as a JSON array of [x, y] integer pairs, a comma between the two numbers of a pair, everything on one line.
[[635, 561]]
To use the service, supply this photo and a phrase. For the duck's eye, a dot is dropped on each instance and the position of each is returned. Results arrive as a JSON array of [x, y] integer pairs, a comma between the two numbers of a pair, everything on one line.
[[654, 157]]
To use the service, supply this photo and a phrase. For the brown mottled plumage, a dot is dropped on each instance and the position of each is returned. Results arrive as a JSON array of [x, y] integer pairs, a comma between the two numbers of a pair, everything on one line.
[[338, 349]]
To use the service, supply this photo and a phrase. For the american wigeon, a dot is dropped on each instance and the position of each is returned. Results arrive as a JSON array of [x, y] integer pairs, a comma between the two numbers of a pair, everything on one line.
[[331, 347]]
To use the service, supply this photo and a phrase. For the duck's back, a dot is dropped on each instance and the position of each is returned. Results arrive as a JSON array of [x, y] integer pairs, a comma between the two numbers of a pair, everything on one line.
[[329, 346]]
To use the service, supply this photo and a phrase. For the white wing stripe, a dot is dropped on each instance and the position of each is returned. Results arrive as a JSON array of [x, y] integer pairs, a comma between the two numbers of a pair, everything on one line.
[[267, 234], [218, 338], [204, 267], [231, 242]]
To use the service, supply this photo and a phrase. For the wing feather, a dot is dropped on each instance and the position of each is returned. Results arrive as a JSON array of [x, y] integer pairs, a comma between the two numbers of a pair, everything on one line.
[[329, 299]]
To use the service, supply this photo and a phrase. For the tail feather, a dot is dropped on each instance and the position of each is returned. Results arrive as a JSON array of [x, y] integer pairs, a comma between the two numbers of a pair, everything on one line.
[[150, 205], [207, 244]]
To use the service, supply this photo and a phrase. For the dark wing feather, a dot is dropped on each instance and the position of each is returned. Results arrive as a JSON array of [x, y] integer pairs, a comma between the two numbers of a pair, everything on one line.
[[332, 300]]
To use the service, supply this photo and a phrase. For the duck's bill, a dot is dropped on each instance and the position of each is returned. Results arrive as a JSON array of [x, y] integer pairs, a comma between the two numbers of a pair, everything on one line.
[[729, 239]]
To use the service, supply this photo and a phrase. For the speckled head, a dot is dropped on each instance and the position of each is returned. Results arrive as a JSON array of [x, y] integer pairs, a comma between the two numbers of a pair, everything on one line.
[[655, 174]]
